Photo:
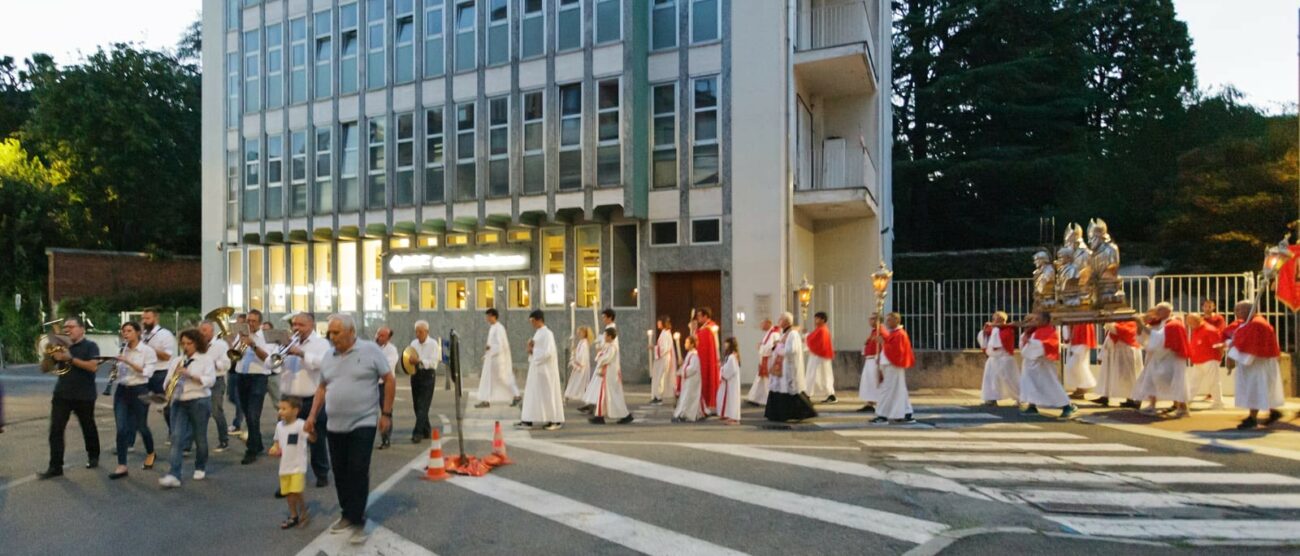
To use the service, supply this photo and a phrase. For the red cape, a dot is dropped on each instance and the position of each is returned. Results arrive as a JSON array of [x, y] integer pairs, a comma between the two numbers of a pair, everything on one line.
[[819, 343], [1216, 320], [710, 367], [1007, 335], [1125, 332], [1083, 335], [898, 348], [1203, 340], [1257, 338], [762, 364], [1176, 338], [1231, 329], [1049, 337], [872, 347]]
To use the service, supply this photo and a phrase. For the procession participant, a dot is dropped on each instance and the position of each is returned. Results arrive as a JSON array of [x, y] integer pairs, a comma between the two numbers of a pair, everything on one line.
[[787, 401], [543, 402], [232, 387], [291, 447], [579, 366], [216, 351], [592, 394], [347, 386], [1258, 383], [1040, 350], [757, 396], [253, 379], [689, 406], [1166, 367], [74, 392], [1078, 368], [1001, 375], [897, 358], [273, 378], [609, 371], [869, 383], [1121, 363], [1211, 315], [710, 366], [300, 378], [383, 338], [496, 382], [820, 373], [190, 407], [662, 368], [163, 344], [1205, 352], [134, 367], [428, 356], [729, 390]]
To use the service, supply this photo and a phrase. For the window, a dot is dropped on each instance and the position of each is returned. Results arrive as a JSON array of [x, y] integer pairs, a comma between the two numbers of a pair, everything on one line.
[[232, 188], [349, 194], [519, 236], [456, 295], [375, 44], [704, 153], [704, 20], [298, 173], [587, 241], [532, 33], [553, 266], [298, 277], [256, 279], [399, 295], [663, 24], [457, 240], [488, 238], [232, 15], [252, 178], [323, 192], [485, 293], [372, 292], [534, 155], [609, 155], [399, 243], [664, 131], [708, 230], [466, 56], [232, 90], [404, 187], [427, 241], [377, 164], [279, 288], [324, 53], [428, 295], [433, 153], [235, 279], [252, 71], [465, 177], [571, 136], [521, 293], [568, 26], [623, 266], [498, 32], [434, 64], [609, 21], [274, 66], [403, 42], [298, 60], [323, 264], [347, 292], [663, 233], [348, 38], [498, 146], [274, 176]]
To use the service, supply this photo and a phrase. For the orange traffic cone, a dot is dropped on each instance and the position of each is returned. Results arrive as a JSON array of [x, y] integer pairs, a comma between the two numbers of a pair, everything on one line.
[[498, 457], [437, 468]]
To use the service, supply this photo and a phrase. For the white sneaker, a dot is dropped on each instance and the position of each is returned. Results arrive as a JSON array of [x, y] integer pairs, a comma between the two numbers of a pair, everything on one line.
[[199, 475], [169, 481], [359, 535]]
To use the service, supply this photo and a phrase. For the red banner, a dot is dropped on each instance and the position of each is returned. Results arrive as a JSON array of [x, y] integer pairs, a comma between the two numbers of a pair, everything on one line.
[[1288, 289]]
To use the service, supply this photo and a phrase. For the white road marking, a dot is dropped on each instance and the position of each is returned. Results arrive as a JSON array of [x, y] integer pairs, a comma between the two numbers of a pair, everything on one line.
[[863, 519], [24, 480], [980, 435], [982, 446], [955, 457], [1136, 528], [1140, 461], [636, 535], [1024, 475], [690, 444], [956, 416], [1227, 444], [383, 541], [1160, 499], [1216, 478]]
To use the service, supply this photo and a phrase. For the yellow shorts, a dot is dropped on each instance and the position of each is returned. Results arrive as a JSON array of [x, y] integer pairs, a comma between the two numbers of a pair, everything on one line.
[[293, 484]]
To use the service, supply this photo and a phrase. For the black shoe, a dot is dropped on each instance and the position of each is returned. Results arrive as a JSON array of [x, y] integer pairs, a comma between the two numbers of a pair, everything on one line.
[[596, 420], [383, 446], [1247, 424], [517, 402], [831, 399], [625, 420], [1030, 410], [416, 440], [92, 464], [279, 494], [881, 419], [587, 408], [322, 482], [1131, 404], [553, 426], [1102, 401], [1273, 417], [248, 458], [867, 409], [656, 401], [481, 405], [49, 474], [116, 476], [524, 425]]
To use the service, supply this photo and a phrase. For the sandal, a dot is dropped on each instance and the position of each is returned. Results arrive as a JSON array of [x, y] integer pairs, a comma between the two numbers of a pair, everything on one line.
[[149, 461], [290, 523]]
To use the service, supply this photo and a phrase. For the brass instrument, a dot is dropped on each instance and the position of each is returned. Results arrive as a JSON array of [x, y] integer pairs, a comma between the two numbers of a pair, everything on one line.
[[277, 359], [221, 317], [49, 345], [169, 389], [407, 362]]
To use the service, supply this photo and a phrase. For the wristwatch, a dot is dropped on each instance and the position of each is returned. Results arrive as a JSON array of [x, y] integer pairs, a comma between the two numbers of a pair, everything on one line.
[[388, 414]]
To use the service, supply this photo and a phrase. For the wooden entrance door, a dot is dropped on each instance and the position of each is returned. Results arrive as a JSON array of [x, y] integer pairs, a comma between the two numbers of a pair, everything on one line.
[[676, 293]]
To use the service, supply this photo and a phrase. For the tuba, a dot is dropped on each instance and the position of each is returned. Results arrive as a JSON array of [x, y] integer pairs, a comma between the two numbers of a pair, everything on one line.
[[221, 317], [49, 345]]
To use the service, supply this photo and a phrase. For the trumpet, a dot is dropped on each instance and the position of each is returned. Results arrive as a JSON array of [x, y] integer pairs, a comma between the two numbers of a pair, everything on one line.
[[277, 359]]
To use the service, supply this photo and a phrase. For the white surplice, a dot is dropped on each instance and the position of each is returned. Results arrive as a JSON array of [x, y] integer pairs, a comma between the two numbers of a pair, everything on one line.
[[661, 373], [592, 394], [608, 371], [821, 377], [689, 407], [728, 401], [894, 402], [543, 401], [1120, 366], [762, 384], [1038, 382], [1258, 382], [1165, 374], [1001, 375], [579, 371], [496, 382], [791, 350]]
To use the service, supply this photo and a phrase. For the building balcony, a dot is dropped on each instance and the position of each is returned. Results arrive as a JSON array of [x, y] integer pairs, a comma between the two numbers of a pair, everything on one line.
[[835, 49], [845, 185]]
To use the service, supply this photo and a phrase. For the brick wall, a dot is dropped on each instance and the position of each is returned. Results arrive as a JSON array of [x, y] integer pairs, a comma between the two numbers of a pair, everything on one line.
[[80, 273]]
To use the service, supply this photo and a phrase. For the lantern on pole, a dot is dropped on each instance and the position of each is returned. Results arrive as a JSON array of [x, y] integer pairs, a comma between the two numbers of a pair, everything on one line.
[[805, 297]]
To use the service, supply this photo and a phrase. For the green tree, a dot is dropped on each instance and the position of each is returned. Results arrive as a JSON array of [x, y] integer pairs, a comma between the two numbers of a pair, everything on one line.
[[31, 194], [15, 99]]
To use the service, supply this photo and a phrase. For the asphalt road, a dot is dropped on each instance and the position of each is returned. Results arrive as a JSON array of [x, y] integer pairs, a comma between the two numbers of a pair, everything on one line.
[[968, 480]]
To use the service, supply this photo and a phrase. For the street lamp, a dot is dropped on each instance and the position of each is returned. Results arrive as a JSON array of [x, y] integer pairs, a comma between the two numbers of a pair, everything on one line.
[[1275, 257], [805, 297], [880, 282]]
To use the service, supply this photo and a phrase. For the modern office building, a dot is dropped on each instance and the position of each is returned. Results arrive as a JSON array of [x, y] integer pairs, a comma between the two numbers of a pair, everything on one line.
[[428, 159]]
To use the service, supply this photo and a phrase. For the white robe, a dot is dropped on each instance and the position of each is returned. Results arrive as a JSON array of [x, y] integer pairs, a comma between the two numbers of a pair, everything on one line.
[[661, 373], [869, 384], [766, 348], [894, 402], [1165, 374], [1001, 375], [543, 401], [496, 382], [689, 407], [791, 351], [579, 371], [1038, 382], [1205, 378], [1078, 369], [608, 371], [1258, 381], [592, 395], [821, 375], [1120, 366], [728, 399]]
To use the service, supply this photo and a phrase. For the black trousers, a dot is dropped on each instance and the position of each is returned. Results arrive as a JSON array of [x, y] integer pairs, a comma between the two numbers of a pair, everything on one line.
[[350, 457], [320, 457], [422, 384], [60, 410], [252, 394]]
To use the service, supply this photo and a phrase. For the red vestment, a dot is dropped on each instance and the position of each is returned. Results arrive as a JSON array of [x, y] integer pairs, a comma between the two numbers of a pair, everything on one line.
[[1176, 337], [1125, 332], [819, 342], [710, 367], [1050, 339], [1216, 320], [1257, 338], [872, 347], [1083, 335], [762, 364], [898, 348], [1203, 340]]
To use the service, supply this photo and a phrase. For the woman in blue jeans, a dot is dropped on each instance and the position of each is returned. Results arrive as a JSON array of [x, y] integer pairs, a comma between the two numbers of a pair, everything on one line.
[[134, 367], [191, 406]]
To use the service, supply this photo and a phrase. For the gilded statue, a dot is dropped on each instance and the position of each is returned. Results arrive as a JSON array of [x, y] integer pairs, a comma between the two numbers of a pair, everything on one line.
[[1044, 282], [1105, 265]]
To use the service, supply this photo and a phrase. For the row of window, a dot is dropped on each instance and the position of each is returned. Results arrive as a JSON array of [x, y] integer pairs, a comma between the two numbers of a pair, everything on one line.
[[396, 33]]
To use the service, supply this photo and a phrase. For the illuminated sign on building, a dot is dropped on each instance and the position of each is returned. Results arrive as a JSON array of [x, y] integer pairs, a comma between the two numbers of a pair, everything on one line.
[[424, 263]]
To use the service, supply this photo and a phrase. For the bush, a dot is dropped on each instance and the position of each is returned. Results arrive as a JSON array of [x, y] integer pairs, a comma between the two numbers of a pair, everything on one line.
[[19, 330], [176, 310]]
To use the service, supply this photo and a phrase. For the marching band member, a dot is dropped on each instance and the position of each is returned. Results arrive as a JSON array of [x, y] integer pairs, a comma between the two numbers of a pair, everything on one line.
[[662, 369], [1001, 375], [384, 339], [543, 401], [496, 382], [253, 378], [897, 359], [820, 355], [710, 366], [300, 377], [729, 390], [592, 394], [609, 372], [869, 383], [74, 392], [1205, 353], [1121, 363], [758, 390], [190, 407], [216, 351], [579, 366], [1040, 349], [272, 379], [1166, 367], [163, 343], [787, 401], [1078, 368], [1254, 347], [689, 406], [232, 387], [134, 367], [429, 353]]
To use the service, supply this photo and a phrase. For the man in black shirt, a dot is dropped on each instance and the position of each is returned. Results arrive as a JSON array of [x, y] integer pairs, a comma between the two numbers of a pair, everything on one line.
[[74, 393]]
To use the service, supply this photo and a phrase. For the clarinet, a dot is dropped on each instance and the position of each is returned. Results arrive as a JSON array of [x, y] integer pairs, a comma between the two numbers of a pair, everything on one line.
[[112, 375]]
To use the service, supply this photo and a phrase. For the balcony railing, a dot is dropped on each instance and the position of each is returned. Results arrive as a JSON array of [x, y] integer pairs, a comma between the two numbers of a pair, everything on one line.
[[844, 164], [828, 25]]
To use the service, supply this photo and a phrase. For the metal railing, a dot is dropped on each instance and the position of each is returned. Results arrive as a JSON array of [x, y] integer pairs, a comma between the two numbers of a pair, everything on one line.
[[833, 24]]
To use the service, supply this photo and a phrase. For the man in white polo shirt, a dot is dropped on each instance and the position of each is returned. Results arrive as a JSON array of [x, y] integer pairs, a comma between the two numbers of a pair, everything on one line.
[[299, 377], [429, 351], [252, 384]]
